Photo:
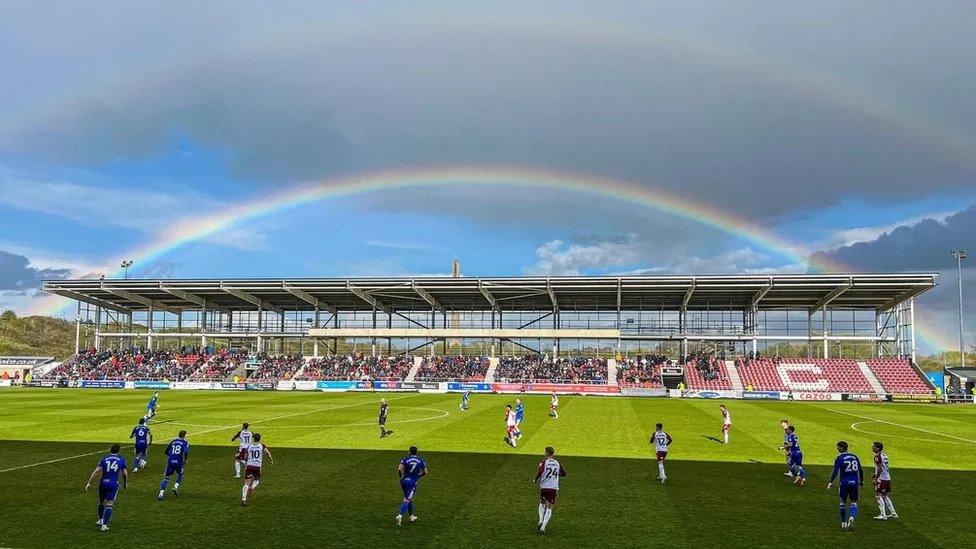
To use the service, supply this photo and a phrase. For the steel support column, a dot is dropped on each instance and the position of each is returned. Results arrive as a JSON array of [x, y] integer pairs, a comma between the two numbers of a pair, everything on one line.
[[825, 352], [149, 335]]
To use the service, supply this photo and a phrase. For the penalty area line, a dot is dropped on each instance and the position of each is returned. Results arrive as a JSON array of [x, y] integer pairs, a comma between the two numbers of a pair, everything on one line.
[[919, 429]]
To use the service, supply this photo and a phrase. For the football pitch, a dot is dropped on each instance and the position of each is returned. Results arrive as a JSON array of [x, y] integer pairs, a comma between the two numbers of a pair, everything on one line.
[[334, 482]]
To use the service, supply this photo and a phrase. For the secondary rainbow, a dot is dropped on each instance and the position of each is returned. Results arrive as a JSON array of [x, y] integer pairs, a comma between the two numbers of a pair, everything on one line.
[[192, 229]]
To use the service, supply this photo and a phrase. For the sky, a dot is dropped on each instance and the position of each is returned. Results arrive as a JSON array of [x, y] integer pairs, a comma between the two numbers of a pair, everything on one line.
[[843, 132]]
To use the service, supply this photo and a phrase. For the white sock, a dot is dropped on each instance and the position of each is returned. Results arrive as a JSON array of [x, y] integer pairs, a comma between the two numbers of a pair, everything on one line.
[[542, 512], [726, 438], [881, 504], [254, 485], [660, 468], [176, 486], [237, 468], [161, 492], [545, 518], [244, 493], [891, 506]]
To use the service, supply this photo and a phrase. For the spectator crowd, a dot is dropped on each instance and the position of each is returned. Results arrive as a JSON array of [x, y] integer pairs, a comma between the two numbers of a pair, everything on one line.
[[357, 367], [641, 370], [453, 368], [530, 368]]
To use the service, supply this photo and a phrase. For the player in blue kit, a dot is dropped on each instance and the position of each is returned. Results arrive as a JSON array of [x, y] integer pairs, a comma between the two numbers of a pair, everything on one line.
[[465, 400], [795, 457], [519, 416], [784, 424], [410, 469], [848, 466], [176, 455], [151, 407], [110, 468], [143, 437]]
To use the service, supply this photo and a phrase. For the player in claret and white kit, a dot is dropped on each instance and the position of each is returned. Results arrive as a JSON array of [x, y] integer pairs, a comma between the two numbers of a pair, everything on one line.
[[882, 483], [554, 406], [548, 478], [726, 422], [511, 423], [244, 438], [252, 473], [661, 440]]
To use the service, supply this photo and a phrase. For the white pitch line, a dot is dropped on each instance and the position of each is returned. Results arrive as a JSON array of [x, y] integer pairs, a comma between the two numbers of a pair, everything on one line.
[[863, 432], [59, 460], [54, 461], [904, 426]]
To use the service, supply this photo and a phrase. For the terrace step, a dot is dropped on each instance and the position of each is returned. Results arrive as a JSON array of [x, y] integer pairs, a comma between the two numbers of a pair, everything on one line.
[[872, 379], [492, 366], [415, 369], [612, 371], [734, 375]]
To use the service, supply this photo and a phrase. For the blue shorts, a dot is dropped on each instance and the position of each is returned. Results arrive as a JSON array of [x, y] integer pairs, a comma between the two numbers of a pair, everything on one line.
[[519, 417], [142, 447], [173, 469], [796, 459], [409, 487], [848, 492], [107, 491]]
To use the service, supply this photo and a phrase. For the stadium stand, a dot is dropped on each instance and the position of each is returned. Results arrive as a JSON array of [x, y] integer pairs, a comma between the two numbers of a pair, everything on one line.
[[130, 365], [531, 368], [276, 368], [898, 376], [219, 366], [453, 368], [760, 374], [349, 368], [839, 374], [643, 371], [707, 372]]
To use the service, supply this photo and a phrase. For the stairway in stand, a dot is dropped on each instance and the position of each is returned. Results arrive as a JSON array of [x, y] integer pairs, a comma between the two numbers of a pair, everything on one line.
[[415, 369], [872, 379], [734, 375], [612, 371], [492, 366]]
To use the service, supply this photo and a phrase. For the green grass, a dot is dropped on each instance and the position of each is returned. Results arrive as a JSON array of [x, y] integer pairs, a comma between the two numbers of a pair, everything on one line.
[[334, 481]]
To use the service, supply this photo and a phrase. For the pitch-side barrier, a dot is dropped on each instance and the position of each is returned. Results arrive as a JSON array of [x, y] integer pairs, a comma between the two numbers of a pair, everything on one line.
[[482, 387]]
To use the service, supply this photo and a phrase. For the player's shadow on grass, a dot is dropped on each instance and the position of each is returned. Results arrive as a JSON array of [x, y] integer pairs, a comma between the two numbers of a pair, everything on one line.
[[713, 439]]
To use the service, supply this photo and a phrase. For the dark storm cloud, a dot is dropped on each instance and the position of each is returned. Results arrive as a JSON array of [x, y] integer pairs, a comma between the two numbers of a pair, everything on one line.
[[17, 275], [922, 247], [926, 247], [557, 88]]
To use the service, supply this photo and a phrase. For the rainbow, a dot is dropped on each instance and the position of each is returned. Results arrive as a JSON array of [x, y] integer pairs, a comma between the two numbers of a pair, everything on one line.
[[193, 229]]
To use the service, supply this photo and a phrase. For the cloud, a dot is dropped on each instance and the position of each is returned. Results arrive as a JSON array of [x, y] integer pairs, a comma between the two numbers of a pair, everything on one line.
[[848, 237], [629, 254], [400, 246], [525, 86], [17, 275], [924, 245], [556, 258], [142, 210]]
